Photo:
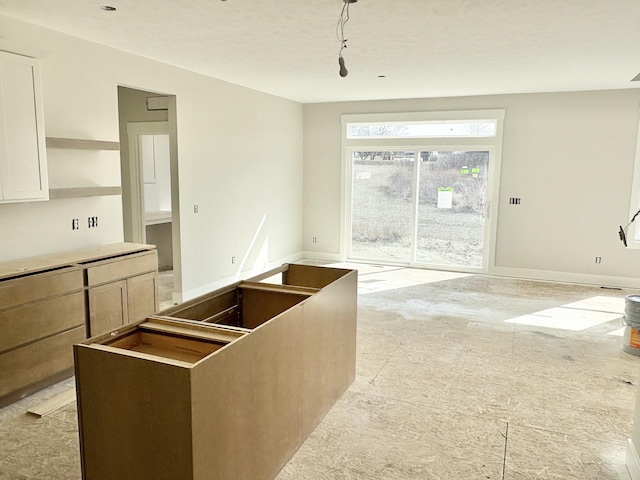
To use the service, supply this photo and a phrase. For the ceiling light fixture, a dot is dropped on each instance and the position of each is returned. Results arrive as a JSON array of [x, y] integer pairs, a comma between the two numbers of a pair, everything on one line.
[[342, 20]]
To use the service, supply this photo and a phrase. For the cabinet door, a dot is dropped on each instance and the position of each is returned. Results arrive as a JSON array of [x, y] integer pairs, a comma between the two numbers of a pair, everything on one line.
[[142, 296], [23, 173], [107, 307]]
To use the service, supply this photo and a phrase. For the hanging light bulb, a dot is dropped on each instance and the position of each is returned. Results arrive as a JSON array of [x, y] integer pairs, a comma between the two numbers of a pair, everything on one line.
[[343, 70], [342, 20]]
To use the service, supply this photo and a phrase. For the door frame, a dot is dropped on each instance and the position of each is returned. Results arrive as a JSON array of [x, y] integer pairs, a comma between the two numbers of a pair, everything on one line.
[[134, 131]]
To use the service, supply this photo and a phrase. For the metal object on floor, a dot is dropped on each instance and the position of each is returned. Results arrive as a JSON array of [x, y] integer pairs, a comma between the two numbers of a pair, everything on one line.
[[631, 320]]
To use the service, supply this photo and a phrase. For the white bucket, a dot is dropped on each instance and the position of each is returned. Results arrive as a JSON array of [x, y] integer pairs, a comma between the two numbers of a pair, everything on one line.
[[631, 320]]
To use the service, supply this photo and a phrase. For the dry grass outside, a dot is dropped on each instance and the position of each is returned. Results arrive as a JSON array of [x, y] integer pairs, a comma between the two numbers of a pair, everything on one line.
[[383, 225]]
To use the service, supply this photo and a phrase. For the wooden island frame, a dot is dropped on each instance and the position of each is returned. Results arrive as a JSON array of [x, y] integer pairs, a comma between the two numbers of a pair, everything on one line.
[[225, 386]]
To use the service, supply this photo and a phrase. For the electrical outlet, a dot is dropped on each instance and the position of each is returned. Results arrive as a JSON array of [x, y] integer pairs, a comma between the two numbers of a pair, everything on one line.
[[195, 209], [92, 222], [233, 259], [598, 259], [315, 240], [75, 224]]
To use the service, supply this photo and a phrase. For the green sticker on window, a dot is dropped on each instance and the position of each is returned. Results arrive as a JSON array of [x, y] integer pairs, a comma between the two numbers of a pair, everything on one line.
[[475, 170]]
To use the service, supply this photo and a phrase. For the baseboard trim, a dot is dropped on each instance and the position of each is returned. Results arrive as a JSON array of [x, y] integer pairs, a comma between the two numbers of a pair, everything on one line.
[[632, 461], [322, 256], [566, 277]]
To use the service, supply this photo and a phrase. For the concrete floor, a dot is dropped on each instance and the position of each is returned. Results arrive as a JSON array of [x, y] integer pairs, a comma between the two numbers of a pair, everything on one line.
[[458, 377]]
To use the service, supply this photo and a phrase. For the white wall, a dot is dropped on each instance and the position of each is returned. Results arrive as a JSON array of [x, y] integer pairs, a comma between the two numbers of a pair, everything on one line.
[[569, 156], [240, 160]]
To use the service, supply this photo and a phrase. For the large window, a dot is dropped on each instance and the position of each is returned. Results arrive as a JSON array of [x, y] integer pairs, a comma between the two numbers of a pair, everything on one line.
[[418, 192]]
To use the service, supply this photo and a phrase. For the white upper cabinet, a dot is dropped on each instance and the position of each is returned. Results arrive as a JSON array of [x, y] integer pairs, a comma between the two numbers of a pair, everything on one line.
[[23, 164]]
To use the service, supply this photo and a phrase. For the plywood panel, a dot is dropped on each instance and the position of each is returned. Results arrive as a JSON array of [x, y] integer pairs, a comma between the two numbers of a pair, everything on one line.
[[206, 306], [247, 403], [134, 417], [53, 404], [25, 324], [330, 348], [311, 276], [167, 345], [208, 332], [258, 305]]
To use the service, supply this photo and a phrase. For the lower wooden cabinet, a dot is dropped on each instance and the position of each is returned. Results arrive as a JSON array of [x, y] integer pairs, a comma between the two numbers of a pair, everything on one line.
[[39, 361], [186, 395], [121, 302], [41, 316], [48, 303], [122, 290]]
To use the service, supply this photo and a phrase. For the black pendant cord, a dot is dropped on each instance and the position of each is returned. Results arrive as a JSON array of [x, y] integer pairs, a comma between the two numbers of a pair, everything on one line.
[[342, 21]]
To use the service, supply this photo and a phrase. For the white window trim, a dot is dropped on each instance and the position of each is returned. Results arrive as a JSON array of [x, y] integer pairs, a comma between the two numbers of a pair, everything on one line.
[[634, 204], [493, 144]]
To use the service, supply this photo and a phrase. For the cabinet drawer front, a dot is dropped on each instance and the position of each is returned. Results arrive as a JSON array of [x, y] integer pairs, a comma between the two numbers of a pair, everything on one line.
[[35, 287], [120, 268], [37, 361], [25, 324]]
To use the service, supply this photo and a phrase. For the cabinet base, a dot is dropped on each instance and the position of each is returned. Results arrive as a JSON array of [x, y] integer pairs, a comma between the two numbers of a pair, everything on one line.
[[35, 387]]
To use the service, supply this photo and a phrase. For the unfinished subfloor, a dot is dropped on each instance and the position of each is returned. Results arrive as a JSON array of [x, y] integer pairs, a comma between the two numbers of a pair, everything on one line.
[[458, 377]]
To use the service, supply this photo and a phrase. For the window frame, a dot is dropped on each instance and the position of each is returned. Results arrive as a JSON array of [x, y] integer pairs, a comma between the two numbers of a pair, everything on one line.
[[633, 233], [491, 143]]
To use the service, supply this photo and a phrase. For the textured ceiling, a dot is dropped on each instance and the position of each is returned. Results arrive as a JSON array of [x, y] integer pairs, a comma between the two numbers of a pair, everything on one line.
[[426, 48]]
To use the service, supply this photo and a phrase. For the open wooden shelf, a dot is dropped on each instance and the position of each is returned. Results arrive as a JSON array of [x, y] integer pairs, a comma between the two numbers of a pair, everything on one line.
[[77, 192], [75, 143]]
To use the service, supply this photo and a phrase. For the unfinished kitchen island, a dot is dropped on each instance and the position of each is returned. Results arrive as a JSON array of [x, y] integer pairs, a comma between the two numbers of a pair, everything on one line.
[[225, 386]]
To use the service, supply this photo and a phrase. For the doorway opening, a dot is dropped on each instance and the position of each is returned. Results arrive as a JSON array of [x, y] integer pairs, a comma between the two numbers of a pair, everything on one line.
[[149, 174]]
